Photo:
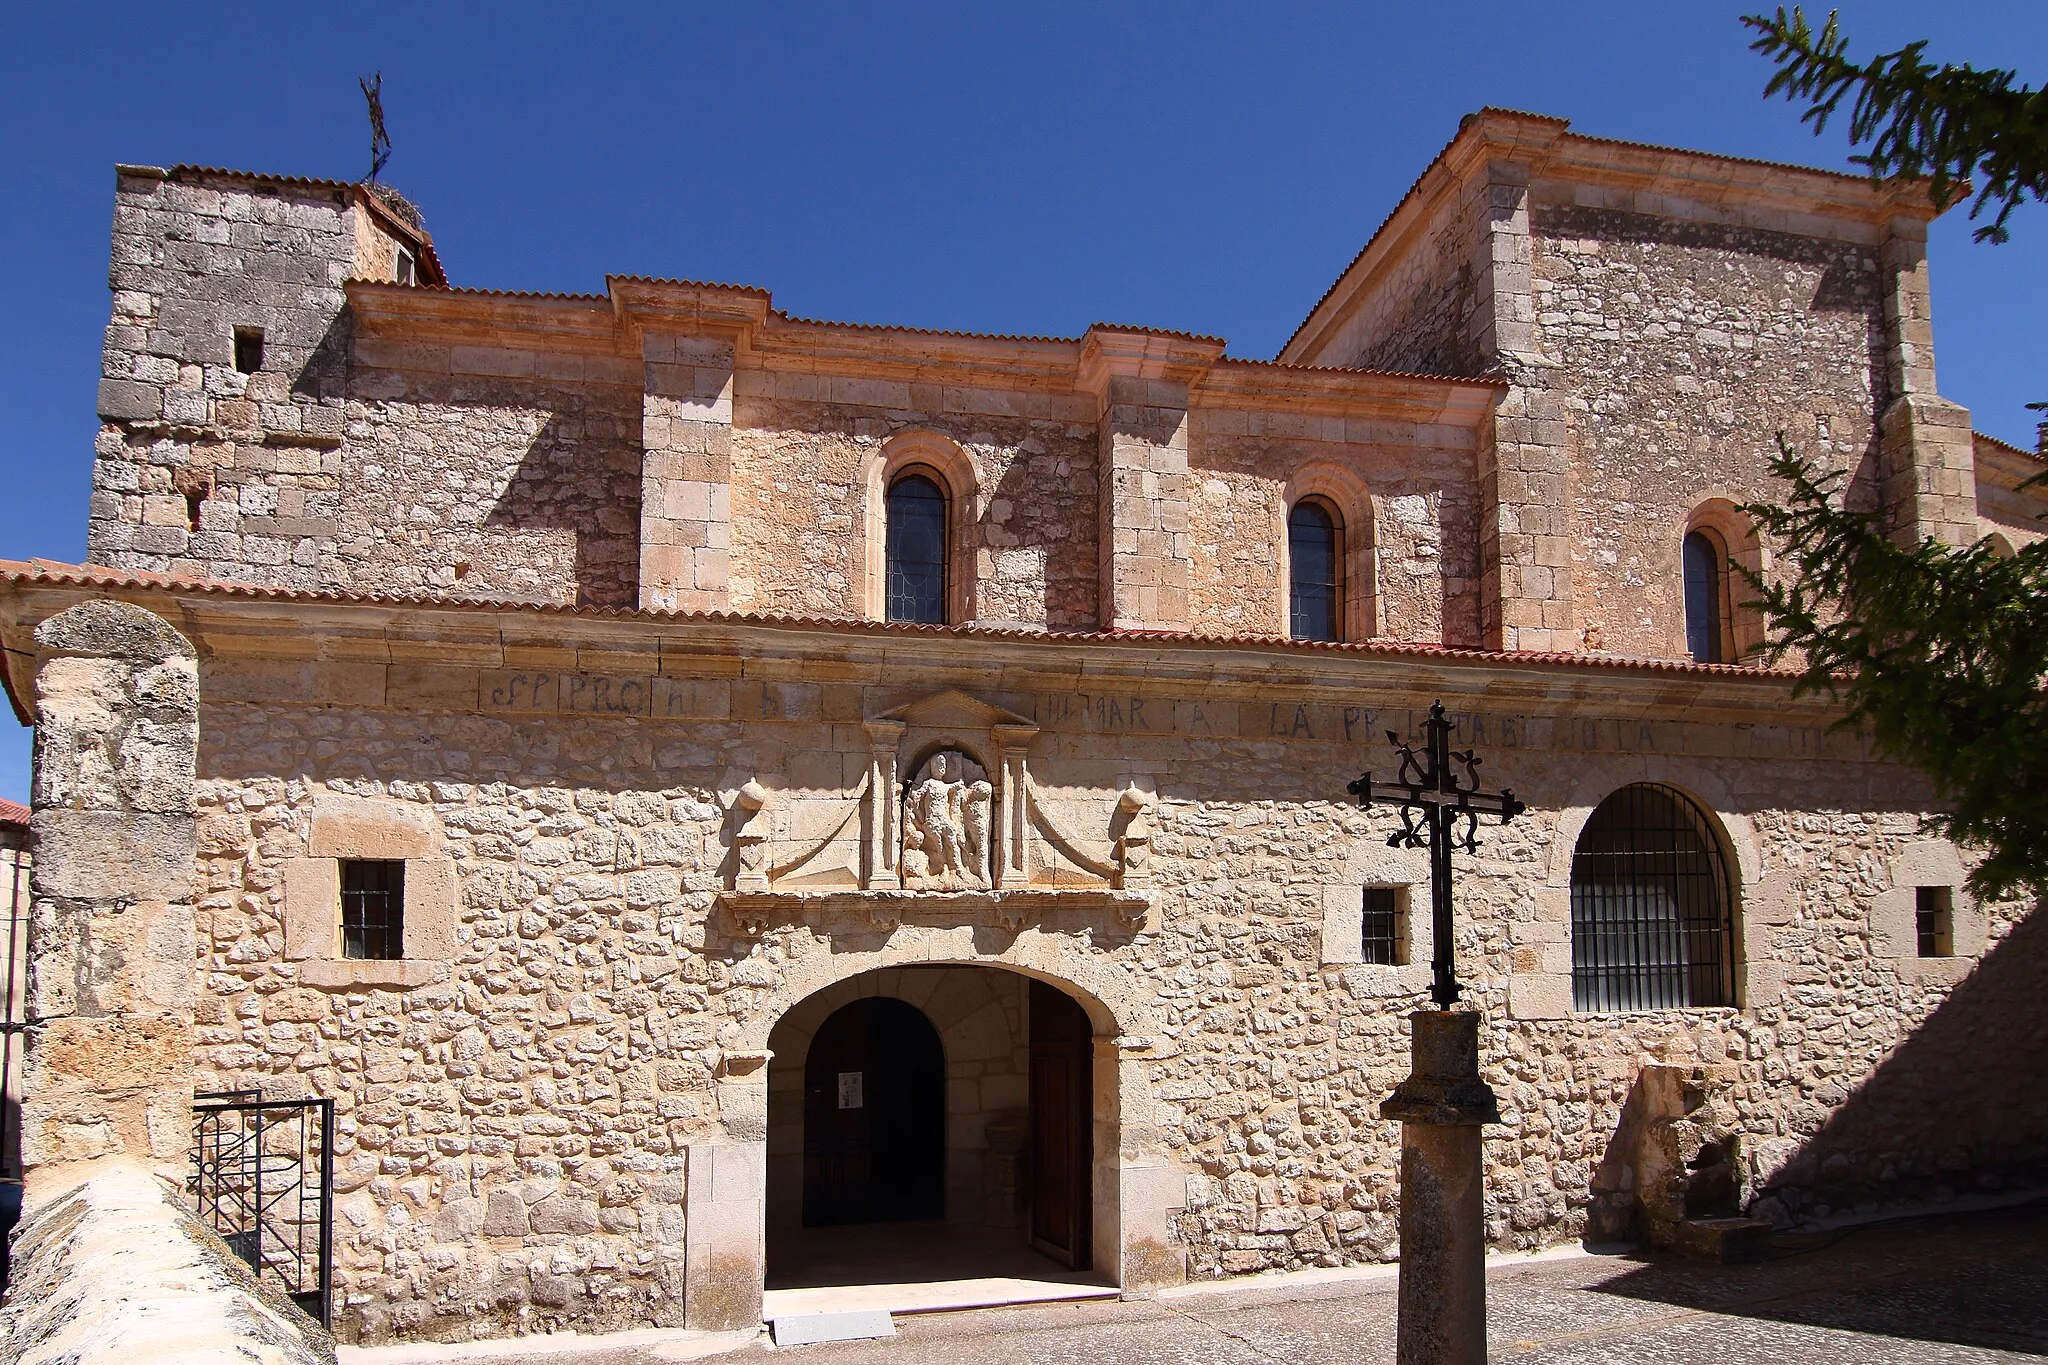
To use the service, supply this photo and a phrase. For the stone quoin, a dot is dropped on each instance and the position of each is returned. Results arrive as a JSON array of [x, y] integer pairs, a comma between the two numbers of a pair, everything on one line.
[[704, 675]]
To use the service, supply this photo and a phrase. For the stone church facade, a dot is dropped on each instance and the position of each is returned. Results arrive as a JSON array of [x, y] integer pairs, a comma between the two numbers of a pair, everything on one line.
[[673, 675]]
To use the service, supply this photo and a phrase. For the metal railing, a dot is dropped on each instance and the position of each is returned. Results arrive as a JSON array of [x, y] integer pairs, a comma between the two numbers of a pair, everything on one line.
[[263, 1178]]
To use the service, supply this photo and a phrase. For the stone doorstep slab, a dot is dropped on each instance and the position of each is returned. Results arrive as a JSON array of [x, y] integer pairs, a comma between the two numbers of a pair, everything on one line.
[[660, 1343], [808, 1329], [935, 1296]]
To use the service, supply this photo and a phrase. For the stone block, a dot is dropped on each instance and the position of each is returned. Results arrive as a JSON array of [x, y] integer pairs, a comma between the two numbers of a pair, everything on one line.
[[370, 827], [114, 855], [124, 400]]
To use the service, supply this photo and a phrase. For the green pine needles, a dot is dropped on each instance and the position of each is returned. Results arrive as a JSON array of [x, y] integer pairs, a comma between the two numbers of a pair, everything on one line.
[[1950, 124], [1942, 653]]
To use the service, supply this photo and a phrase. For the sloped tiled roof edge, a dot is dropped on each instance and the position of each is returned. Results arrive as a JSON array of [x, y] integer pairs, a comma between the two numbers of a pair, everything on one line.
[[42, 572]]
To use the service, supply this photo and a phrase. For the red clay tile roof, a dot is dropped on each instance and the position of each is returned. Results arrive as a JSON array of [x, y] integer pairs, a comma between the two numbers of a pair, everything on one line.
[[13, 813], [43, 571], [2010, 448]]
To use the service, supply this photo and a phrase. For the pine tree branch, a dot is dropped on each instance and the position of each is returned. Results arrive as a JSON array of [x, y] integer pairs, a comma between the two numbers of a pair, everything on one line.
[[1940, 653], [1951, 124]]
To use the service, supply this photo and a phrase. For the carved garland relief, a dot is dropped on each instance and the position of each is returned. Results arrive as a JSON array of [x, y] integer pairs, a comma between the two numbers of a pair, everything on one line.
[[965, 819]]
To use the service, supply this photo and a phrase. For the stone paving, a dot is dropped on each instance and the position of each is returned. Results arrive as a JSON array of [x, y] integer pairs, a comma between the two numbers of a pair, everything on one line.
[[1955, 1288]]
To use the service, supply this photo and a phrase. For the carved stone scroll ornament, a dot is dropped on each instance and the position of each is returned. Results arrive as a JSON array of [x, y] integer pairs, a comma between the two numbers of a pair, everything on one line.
[[750, 843], [1134, 845]]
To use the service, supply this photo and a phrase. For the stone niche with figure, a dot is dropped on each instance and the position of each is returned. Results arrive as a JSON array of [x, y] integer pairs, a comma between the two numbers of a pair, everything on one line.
[[947, 819]]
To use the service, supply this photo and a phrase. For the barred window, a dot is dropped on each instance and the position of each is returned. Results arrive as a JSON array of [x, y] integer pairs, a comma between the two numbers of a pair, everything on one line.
[[373, 909], [1315, 563], [1934, 921], [1652, 911], [916, 550], [1380, 928]]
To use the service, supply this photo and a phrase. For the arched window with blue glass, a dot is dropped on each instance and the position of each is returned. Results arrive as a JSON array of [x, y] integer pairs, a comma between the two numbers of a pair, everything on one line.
[[1706, 597], [1315, 571], [915, 539]]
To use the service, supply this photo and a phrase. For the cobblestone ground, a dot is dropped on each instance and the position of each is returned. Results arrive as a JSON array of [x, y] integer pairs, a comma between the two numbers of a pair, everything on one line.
[[1958, 1288]]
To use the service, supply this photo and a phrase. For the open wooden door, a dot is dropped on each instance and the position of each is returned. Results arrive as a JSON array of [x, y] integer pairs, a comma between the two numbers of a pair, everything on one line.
[[874, 1117], [1062, 1126]]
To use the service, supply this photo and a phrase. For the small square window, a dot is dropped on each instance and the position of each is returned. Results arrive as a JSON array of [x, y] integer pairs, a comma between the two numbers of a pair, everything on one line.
[[1383, 937], [1934, 921], [248, 349], [404, 269], [373, 909]]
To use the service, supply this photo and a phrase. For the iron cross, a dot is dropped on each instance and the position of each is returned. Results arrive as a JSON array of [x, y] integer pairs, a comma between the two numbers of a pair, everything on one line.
[[1429, 782]]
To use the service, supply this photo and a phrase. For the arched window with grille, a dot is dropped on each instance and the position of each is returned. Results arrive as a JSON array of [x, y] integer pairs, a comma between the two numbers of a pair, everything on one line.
[[915, 538], [1652, 908], [1705, 606], [1315, 572]]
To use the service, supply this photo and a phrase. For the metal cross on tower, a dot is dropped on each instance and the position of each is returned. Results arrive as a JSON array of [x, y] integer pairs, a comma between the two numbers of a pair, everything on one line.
[[1429, 782]]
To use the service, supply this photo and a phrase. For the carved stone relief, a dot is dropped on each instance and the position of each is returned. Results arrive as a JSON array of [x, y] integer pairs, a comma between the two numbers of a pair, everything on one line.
[[946, 822], [947, 808]]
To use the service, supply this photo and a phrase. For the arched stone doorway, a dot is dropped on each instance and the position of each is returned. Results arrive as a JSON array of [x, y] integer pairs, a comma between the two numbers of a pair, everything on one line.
[[933, 1122], [745, 1180]]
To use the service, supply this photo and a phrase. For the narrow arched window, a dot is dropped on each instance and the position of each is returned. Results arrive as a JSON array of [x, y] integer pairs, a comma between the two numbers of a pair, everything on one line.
[[1315, 573], [916, 550], [1652, 913], [1703, 605]]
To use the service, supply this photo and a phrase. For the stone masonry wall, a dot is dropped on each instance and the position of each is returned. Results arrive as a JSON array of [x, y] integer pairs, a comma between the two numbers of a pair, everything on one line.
[[193, 261], [802, 447], [485, 470], [513, 1137], [1423, 316], [1418, 547], [1683, 350]]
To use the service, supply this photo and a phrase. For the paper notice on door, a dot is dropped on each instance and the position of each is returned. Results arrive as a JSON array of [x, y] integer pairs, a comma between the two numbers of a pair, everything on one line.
[[849, 1089]]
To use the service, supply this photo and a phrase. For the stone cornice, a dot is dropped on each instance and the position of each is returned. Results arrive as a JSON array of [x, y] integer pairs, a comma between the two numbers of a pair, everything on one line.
[[1109, 353], [300, 645]]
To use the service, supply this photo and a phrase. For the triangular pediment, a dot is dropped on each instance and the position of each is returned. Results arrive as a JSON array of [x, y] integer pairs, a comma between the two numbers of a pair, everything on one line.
[[950, 708]]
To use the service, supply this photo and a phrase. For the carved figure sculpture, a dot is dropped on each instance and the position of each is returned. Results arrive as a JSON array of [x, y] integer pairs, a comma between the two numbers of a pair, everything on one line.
[[750, 843], [945, 827], [980, 797]]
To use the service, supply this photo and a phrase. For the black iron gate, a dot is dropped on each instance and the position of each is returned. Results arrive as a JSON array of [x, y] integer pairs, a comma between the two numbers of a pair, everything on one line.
[[263, 1178]]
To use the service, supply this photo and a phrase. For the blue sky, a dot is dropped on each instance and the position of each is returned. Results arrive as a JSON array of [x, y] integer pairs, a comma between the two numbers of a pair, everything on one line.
[[994, 168]]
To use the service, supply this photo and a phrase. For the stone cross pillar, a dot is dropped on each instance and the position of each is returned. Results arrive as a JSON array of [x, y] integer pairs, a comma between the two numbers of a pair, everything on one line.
[[112, 973], [1443, 1239]]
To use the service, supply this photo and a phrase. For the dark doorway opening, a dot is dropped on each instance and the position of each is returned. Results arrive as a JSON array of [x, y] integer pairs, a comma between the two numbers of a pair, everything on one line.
[[874, 1117], [1062, 1126]]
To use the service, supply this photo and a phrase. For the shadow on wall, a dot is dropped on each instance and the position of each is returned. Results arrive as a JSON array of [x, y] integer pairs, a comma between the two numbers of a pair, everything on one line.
[[580, 477], [1958, 1108]]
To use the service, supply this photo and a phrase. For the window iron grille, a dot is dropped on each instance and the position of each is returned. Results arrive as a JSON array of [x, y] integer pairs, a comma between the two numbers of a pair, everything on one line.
[[263, 1179], [1380, 927], [1652, 913], [1933, 921], [373, 909]]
